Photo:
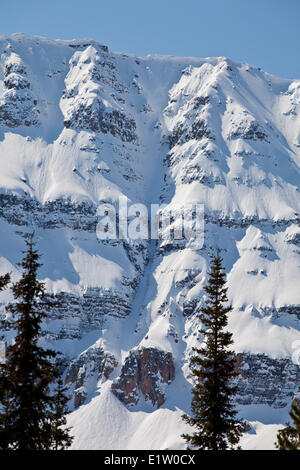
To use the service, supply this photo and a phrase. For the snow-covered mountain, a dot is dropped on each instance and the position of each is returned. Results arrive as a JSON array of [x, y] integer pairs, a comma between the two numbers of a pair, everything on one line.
[[80, 125]]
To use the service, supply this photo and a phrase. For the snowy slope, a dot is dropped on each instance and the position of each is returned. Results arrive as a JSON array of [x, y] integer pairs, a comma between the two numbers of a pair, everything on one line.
[[80, 125]]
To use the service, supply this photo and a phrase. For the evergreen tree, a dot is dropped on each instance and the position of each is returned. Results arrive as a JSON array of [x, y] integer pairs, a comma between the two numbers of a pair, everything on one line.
[[60, 434], [29, 409], [213, 412], [4, 280], [289, 437]]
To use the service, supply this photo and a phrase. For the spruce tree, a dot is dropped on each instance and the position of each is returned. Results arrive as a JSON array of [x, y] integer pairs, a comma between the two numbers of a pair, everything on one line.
[[213, 412], [29, 408], [60, 434], [289, 437], [4, 280]]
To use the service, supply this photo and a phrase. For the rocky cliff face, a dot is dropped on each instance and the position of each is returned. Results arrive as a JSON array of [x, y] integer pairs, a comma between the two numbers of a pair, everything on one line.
[[86, 370], [263, 380], [18, 105], [81, 126], [89, 101], [145, 372]]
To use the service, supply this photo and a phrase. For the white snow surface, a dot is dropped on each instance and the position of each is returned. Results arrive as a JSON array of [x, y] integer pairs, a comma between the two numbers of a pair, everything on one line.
[[121, 429], [243, 165]]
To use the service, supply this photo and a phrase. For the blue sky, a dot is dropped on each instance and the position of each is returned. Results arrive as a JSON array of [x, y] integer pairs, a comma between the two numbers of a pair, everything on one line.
[[265, 33]]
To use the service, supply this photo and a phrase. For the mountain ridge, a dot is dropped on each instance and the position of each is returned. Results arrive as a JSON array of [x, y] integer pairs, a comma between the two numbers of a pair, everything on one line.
[[80, 125]]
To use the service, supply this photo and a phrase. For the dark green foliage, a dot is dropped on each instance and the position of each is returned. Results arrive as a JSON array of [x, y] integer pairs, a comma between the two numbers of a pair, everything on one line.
[[31, 412], [4, 280], [213, 412], [60, 434], [289, 437]]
